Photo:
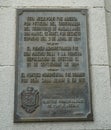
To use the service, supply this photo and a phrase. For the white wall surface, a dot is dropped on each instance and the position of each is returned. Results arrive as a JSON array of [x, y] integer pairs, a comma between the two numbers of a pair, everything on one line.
[[108, 21], [99, 64]]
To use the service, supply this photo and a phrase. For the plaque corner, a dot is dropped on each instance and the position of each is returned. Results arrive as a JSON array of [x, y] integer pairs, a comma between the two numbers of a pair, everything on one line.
[[16, 118], [84, 11], [90, 117], [19, 11]]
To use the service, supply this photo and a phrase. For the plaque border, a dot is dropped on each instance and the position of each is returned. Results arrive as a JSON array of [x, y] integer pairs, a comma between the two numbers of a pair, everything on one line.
[[18, 119]]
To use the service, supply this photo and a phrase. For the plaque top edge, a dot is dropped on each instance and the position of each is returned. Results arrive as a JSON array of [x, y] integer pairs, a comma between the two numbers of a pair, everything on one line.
[[62, 9]]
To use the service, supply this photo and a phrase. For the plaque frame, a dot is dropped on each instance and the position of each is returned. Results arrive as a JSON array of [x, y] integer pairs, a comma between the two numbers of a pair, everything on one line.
[[18, 119]]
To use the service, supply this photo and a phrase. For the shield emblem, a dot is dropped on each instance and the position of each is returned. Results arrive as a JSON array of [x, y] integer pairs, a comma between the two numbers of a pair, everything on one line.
[[30, 99]]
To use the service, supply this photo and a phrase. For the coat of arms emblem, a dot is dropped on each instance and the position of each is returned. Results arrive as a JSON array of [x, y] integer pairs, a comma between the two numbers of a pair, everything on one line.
[[30, 99]]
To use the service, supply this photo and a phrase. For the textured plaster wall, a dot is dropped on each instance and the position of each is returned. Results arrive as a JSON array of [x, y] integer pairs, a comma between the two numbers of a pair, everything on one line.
[[99, 64]]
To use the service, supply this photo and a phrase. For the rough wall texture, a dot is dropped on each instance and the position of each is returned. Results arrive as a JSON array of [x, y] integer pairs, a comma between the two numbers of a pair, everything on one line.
[[99, 64]]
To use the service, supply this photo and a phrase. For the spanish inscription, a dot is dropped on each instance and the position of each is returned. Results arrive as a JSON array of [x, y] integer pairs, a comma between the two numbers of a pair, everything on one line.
[[52, 67]]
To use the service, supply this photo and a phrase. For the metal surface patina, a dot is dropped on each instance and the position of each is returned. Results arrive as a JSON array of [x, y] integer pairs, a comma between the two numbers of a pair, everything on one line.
[[52, 80]]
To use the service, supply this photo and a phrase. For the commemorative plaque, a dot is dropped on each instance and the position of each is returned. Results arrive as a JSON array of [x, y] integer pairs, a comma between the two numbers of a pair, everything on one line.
[[52, 79]]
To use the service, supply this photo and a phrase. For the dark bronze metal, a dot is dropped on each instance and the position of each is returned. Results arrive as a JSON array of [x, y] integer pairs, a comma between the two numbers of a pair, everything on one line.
[[52, 74]]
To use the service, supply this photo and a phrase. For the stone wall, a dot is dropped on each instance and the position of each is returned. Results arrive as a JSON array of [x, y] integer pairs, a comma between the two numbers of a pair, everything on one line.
[[99, 64]]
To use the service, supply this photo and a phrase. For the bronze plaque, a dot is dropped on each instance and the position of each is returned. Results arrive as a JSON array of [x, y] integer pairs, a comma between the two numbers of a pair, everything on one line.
[[52, 66]]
